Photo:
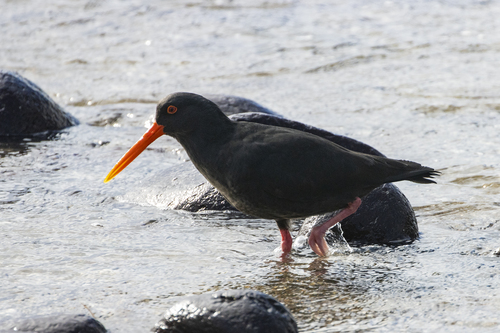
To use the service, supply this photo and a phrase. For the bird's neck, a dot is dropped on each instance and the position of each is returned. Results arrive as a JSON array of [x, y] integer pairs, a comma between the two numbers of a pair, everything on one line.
[[204, 142]]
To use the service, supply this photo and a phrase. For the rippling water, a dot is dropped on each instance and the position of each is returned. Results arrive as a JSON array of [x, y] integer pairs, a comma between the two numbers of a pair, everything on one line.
[[417, 80]]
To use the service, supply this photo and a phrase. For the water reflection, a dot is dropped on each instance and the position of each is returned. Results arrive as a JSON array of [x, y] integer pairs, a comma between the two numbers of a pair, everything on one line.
[[321, 292], [14, 148], [334, 291], [21, 145]]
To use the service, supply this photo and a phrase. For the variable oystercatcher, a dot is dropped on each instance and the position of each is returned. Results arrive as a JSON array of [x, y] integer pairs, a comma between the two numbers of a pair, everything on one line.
[[273, 172]]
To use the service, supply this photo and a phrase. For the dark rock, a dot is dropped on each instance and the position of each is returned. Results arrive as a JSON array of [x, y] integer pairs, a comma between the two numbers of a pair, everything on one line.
[[61, 323], [242, 311], [384, 217], [233, 105], [25, 109], [204, 197]]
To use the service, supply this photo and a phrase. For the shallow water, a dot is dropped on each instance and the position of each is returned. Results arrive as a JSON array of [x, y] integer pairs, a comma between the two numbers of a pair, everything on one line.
[[417, 80]]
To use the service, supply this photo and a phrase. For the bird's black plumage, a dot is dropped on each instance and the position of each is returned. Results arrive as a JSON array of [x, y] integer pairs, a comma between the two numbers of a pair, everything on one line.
[[275, 172]]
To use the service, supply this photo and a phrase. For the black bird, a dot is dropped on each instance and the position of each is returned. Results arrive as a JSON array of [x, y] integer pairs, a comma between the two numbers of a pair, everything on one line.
[[273, 172]]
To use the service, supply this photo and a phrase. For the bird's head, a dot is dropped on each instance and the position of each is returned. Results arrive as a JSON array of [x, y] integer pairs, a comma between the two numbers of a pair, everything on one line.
[[177, 115], [182, 113]]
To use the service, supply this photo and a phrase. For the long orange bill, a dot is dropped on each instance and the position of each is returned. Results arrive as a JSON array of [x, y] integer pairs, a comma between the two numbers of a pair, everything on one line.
[[151, 135]]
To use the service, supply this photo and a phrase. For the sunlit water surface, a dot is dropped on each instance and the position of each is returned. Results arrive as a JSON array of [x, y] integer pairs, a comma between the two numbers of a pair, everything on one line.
[[417, 80]]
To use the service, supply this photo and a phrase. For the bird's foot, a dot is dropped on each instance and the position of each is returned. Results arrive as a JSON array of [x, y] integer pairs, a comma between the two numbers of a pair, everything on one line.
[[317, 240]]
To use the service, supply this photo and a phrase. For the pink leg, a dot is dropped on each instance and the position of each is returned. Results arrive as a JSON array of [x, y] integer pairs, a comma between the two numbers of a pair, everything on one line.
[[286, 241], [317, 238]]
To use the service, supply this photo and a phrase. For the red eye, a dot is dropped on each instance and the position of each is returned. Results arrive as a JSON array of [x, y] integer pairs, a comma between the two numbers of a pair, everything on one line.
[[171, 109]]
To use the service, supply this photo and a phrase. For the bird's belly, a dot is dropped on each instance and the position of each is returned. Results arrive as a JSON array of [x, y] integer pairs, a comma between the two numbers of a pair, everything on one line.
[[262, 205]]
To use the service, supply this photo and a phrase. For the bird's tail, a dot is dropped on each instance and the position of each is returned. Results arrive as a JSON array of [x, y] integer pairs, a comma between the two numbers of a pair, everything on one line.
[[414, 172]]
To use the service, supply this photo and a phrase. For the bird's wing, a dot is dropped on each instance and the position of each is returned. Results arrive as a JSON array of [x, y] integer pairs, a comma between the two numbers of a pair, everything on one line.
[[298, 168]]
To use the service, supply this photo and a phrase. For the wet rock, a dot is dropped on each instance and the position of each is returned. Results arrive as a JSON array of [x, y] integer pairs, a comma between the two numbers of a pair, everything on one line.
[[25, 109], [242, 311], [204, 197], [61, 323], [384, 217], [234, 104]]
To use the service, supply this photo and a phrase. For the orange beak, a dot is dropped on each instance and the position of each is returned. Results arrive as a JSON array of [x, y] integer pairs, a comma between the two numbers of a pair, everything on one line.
[[151, 135]]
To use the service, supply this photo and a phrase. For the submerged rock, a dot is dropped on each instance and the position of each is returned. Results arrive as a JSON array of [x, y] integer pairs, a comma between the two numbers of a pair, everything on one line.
[[242, 311], [25, 109], [61, 323]]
